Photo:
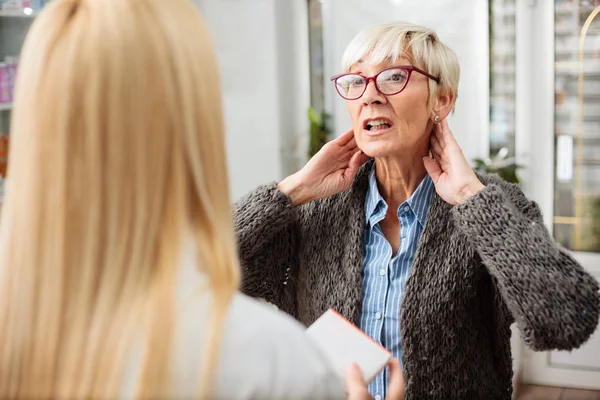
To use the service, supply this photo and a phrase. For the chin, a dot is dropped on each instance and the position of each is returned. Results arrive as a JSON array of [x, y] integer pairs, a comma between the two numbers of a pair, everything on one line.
[[378, 150]]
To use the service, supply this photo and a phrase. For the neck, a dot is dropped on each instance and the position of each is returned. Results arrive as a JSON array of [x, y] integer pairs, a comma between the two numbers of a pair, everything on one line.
[[399, 176]]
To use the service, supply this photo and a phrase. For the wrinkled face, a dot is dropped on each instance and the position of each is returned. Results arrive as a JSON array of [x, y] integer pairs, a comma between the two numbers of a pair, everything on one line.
[[391, 125]]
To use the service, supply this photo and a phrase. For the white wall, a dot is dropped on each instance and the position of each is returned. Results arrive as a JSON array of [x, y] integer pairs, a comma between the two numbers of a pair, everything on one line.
[[293, 81], [461, 24], [262, 47]]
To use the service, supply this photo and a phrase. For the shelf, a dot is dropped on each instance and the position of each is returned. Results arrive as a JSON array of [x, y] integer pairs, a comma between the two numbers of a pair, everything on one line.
[[6, 106], [589, 161], [18, 14], [592, 140]]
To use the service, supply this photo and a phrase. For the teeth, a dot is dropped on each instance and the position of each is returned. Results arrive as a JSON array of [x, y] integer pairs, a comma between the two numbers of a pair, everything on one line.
[[377, 122], [378, 127]]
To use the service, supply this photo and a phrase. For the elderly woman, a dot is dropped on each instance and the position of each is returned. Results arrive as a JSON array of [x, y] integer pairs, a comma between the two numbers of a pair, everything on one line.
[[389, 225]]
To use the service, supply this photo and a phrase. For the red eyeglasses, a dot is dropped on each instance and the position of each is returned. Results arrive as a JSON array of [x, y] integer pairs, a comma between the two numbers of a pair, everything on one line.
[[388, 82]]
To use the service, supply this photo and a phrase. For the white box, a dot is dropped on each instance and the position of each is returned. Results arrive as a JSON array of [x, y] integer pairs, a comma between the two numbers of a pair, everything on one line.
[[344, 343]]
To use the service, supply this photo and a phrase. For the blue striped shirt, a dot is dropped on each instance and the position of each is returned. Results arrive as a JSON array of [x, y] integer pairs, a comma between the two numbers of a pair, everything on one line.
[[384, 275]]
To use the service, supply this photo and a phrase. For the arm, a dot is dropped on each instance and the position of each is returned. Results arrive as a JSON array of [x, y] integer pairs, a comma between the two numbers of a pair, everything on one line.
[[269, 209], [259, 216], [555, 302], [267, 220], [267, 233], [266, 354]]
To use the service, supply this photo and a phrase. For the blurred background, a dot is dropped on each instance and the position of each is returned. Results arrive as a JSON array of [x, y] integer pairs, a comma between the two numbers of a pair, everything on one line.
[[528, 108]]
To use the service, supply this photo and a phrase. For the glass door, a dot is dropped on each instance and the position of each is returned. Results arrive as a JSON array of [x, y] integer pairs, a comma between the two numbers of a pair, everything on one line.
[[572, 45], [577, 126]]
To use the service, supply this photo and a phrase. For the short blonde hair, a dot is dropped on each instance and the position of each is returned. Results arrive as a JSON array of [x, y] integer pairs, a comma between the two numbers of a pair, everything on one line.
[[390, 41]]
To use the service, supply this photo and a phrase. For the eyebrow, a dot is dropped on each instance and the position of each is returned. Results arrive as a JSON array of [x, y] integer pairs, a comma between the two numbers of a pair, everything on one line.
[[355, 65], [408, 60]]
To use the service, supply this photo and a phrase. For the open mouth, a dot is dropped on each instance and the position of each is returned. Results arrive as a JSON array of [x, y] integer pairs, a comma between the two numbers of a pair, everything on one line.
[[378, 124]]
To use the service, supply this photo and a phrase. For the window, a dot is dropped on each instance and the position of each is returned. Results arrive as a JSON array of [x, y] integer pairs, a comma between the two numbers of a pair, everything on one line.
[[502, 76], [577, 125]]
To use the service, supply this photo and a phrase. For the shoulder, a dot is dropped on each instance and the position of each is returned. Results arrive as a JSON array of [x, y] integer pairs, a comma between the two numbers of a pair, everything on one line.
[[512, 193], [268, 355], [261, 198], [257, 334], [494, 179], [250, 317]]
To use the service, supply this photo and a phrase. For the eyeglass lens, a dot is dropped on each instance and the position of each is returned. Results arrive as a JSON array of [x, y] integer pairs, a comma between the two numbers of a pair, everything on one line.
[[389, 82]]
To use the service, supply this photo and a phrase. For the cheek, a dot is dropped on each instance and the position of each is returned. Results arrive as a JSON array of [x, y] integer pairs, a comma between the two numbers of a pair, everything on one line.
[[411, 105], [410, 110], [354, 112]]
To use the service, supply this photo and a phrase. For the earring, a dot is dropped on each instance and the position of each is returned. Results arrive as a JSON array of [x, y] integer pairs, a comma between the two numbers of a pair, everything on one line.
[[436, 119]]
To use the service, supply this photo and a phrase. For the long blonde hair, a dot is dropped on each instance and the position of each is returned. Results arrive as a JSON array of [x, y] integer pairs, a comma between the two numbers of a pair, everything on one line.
[[117, 150]]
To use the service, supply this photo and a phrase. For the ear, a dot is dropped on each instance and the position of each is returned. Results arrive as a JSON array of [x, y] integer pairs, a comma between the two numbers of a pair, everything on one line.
[[443, 105]]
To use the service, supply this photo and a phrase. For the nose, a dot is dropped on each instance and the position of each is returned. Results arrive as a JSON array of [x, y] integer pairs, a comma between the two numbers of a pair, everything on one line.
[[372, 95]]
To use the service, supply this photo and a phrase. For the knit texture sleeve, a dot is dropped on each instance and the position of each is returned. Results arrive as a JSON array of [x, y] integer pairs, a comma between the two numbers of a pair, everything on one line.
[[265, 224], [259, 216], [555, 303]]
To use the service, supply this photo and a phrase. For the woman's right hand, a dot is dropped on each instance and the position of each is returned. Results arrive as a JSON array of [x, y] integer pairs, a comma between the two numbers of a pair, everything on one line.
[[329, 172], [357, 388]]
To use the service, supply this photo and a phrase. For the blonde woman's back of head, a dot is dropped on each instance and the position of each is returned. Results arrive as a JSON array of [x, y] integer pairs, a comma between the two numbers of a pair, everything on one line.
[[117, 151]]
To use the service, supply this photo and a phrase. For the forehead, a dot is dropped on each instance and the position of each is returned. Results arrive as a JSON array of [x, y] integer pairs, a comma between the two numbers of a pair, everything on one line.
[[365, 66]]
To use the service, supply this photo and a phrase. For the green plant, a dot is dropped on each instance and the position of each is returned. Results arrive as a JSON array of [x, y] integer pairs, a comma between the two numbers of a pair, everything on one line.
[[319, 130], [500, 164]]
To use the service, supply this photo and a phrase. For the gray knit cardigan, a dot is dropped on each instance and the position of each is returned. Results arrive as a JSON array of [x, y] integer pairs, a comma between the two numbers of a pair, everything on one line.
[[479, 266]]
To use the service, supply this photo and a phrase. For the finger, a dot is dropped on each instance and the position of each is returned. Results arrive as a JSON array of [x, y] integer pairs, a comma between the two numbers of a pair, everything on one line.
[[396, 384], [355, 383], [353, 165], [437, 133], [363, 158], [345, 137], [447, 135], [433, 168], [354, 375], [448, 142], [351, 145], [435, 154], [435, 145], [345, 156]]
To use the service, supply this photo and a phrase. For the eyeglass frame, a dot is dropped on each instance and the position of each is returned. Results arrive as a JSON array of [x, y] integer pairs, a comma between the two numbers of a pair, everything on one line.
[[409, 68]]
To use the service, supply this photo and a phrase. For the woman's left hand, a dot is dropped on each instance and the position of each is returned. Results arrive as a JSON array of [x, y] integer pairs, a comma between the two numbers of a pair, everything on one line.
[[450, 171]]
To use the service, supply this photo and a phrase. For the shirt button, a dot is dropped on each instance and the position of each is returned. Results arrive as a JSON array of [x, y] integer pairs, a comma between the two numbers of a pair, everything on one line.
[[382, 272], [406, 208], [378, 315], [377, 397]]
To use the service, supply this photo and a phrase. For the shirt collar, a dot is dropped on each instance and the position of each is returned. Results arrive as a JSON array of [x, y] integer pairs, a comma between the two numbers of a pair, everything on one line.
[[419, 201], [421, 198], [375, 207]]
